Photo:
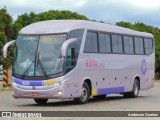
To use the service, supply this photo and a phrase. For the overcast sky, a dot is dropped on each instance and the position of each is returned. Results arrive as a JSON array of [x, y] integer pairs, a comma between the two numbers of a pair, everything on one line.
[[110, 11]]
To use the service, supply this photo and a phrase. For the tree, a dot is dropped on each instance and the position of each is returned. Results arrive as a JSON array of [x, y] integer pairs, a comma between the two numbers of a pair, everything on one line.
[[26, 19], [126, 25], [5, 35]]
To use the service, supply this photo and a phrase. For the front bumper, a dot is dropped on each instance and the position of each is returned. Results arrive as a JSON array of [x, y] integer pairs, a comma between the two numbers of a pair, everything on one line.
[[40, 89], [39, 92]]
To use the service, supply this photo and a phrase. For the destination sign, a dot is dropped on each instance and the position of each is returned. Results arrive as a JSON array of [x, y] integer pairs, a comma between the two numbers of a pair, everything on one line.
[[49, 39]]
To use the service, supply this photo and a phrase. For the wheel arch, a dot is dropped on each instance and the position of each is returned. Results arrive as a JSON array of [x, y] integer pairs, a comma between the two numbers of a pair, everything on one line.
[[88, 81], [138, 79]]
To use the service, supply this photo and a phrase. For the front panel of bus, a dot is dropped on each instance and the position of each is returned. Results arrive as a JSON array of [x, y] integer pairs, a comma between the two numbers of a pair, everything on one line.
[[38, 69]]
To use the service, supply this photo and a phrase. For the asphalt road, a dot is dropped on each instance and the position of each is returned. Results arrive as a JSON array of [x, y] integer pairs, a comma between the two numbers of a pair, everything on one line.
[[148, 100]]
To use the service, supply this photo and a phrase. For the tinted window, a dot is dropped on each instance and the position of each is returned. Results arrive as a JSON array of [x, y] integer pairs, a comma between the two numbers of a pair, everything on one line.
[[117, 44], [128, 45], [94, 39], [139, 49], [148, 46], [77, 34], [104, 43], [91, 42]]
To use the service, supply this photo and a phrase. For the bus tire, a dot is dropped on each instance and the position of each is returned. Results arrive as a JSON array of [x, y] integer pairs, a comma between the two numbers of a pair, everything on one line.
[[134, 93], [41, 101], [85, 94]]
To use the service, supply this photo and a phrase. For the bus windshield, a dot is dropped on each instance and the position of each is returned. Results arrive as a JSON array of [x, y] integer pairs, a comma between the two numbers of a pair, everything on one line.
[[38, 55]]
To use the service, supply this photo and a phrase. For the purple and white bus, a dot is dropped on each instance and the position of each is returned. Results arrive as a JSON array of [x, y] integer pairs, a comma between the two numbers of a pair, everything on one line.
[[77, 59]]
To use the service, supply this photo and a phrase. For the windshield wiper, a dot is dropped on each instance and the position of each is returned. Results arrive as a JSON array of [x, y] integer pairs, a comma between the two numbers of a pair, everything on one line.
[[42, 67], [23, 75]]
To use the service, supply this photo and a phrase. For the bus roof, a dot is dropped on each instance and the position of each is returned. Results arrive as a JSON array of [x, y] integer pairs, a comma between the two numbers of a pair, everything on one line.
[[63, 26]]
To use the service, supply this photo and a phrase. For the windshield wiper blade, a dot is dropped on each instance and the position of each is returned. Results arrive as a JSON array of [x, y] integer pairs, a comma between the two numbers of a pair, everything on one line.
[[42, 67], [23, 75], [43, 70]]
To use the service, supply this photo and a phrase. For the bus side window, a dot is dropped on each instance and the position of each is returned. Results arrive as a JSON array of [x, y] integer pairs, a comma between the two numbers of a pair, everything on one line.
[[117, 44], [104, 43], [148, 45], [91, 45], [128, 45], [139, 49]]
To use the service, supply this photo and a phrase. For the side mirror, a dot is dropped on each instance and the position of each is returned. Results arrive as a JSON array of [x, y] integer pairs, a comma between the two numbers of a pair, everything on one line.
[[5, 48], [65, 46]]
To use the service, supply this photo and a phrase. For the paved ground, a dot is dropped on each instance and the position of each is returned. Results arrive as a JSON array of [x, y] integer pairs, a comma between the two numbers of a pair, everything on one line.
[[148, 100]]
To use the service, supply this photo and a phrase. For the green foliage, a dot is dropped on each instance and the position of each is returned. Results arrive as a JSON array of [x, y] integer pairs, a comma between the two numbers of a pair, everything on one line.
[[5, 35], [3, 40], [26, 19], [126, 24], [150, 29]]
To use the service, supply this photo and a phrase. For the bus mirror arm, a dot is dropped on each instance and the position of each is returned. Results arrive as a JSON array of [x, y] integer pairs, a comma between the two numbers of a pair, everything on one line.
[[65, 46], [5, 48]]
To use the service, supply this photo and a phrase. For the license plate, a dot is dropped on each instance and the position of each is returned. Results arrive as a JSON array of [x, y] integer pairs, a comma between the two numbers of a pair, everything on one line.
[[34, 93]]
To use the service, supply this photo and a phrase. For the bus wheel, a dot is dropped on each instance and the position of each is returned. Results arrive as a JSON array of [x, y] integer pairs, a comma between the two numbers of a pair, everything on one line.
[[85, 94], [41, 101], [134, 93]]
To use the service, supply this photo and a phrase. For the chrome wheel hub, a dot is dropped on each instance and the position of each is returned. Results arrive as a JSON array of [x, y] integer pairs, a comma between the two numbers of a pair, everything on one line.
[[84, 94]]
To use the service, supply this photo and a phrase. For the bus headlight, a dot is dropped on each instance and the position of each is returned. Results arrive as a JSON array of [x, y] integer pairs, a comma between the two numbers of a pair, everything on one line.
[[57, 84]]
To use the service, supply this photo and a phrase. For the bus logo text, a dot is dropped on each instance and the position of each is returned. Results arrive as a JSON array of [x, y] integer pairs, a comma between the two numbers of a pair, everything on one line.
[[91, 63]]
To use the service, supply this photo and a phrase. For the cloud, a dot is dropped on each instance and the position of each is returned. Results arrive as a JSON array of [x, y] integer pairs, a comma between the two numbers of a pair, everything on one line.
[[45, 4], [145, 4], [110, 11], [80, 3]]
